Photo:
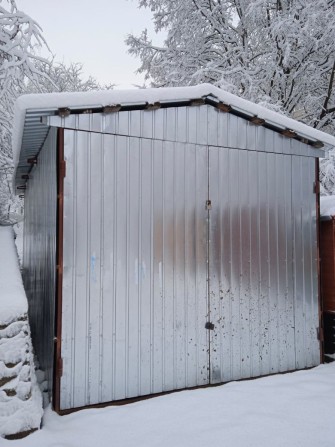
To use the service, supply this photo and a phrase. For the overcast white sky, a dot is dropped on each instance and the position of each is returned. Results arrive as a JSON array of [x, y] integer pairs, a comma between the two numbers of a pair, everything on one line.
[[93, 33]]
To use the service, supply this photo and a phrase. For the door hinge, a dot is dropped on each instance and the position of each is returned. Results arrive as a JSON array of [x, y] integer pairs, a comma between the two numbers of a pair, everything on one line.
[[59, 367], [316, 187], [62, 169], [209, 326], [208, 204]]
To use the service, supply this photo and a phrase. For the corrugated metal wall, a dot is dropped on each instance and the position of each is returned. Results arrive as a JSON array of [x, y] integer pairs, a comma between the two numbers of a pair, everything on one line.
[[39, 260], [196, 124], [135, 268], [263, 264], [146, 264]]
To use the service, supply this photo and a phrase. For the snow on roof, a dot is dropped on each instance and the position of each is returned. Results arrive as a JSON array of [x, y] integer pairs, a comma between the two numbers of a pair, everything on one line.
[[327, 206], [53, 101]]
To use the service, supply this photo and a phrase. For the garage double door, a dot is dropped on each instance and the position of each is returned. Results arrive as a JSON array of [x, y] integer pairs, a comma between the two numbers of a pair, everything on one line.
[[178, 267]]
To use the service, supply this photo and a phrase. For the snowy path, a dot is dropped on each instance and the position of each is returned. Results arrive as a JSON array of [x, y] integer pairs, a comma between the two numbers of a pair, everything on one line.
[[290, 410]]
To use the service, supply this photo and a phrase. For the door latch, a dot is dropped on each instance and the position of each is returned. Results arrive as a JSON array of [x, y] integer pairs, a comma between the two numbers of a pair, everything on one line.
[[209, 326], [208, 204]]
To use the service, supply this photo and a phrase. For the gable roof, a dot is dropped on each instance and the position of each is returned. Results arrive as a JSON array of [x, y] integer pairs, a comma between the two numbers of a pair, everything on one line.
[[29, 133]]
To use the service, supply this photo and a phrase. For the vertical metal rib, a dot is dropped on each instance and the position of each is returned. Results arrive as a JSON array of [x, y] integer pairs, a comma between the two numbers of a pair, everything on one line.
[[149, 265], [39, 254]]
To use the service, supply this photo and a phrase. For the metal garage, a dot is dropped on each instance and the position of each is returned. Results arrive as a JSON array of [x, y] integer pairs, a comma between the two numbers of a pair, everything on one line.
[[170, 240]]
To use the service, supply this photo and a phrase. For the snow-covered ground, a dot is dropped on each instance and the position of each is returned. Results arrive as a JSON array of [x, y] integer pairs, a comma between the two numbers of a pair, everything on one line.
[[291, 410], [12, 295]]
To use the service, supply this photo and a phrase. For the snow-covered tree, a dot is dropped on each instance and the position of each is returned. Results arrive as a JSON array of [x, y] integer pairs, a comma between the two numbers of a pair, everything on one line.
[[20, 35], [23, 71], [64, 78], [280, 53]]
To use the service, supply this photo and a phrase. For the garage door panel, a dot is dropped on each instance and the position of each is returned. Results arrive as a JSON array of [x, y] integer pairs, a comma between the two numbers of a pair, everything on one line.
[[250, 264], [138, 290]]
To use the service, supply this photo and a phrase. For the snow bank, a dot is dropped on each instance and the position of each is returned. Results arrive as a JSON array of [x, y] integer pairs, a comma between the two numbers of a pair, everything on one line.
[[294, 410], [20, 398], [327, 205], [12, 295]]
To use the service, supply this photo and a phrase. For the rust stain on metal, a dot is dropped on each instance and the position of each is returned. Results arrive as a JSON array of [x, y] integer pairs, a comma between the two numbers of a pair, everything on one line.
[[288, 133], [224, 107], [257, 121], [197, 102], [63, 112], [111, 108], [154, 106]]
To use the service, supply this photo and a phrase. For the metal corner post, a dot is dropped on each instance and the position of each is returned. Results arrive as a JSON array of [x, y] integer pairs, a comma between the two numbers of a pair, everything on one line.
[[59, 270], [317, 195]]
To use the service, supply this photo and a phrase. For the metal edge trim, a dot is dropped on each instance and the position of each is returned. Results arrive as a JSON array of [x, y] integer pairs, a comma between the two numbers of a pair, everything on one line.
[[320, 310], [59, 271]]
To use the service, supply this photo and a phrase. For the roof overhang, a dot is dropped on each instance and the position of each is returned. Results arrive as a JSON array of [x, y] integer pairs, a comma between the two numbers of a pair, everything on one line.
[[31, 130]]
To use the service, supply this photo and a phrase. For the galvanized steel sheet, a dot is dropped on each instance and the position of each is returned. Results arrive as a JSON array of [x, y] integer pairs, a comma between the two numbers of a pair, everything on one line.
[[262, 264], [147, 263], [135, 268], [39, 253], [203, 125]]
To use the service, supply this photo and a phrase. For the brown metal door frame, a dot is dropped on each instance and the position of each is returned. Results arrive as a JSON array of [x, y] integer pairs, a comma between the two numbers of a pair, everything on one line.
[[58, 367], [317, 195]]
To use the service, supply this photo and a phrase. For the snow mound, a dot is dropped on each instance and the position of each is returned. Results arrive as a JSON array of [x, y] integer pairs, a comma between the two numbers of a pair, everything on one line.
[[20, 398], [12, 295], [327, 205]]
